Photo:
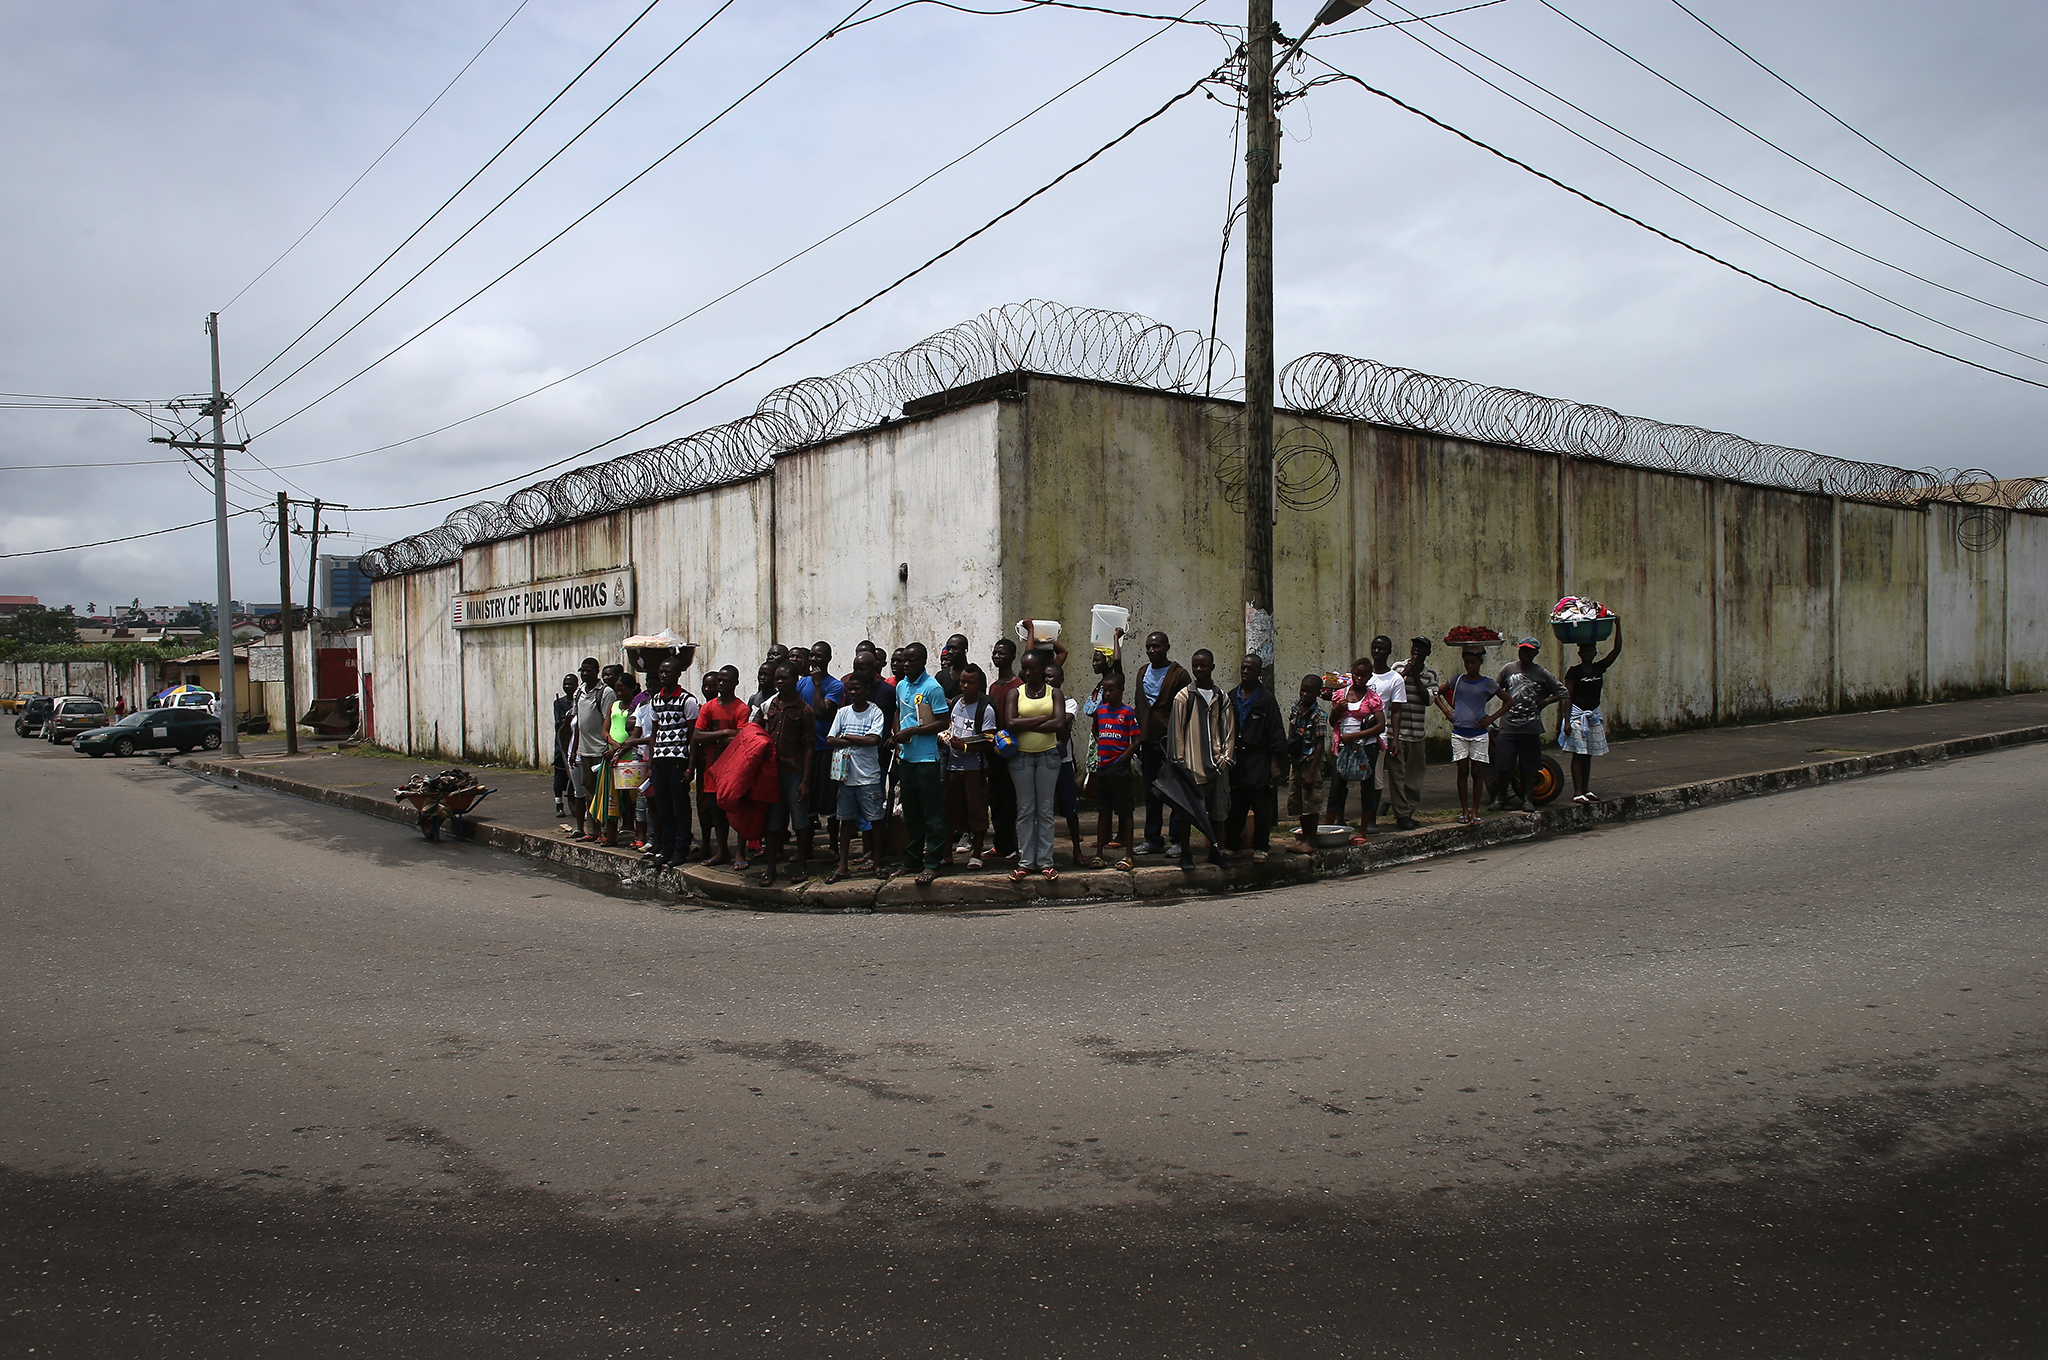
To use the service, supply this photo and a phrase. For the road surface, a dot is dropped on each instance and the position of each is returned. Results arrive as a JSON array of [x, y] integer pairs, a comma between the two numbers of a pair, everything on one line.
[[1766, 1079]]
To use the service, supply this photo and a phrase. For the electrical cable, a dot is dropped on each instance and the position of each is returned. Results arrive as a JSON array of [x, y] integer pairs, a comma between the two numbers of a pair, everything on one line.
[[1396, 23], [1734, 122], [1719, 184], [534, 174], [380, 157], [1856, 134], [864, 303], [1029, 5], [774, 268], [815, 43], [1683, 245], [126, 538], [559, 95], [1704, 207]]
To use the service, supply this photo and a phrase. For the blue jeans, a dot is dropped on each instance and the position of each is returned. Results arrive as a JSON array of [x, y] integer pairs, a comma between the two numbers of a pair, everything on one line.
[[1036, 776]]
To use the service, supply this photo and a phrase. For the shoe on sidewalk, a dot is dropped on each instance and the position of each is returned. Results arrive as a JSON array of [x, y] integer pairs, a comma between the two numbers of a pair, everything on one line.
[[1406, 824], [1145, 848]]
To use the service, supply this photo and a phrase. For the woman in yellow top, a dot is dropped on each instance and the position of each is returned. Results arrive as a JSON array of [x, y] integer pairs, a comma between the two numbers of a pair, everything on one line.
[[1034, 714]]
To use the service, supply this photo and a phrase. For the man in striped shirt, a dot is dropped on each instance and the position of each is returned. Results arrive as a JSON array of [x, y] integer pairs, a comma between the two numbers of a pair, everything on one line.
[[674, 711], [1405, 759]]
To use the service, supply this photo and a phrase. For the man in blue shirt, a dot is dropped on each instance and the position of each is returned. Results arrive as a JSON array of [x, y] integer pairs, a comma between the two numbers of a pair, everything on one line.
[[921, 713]]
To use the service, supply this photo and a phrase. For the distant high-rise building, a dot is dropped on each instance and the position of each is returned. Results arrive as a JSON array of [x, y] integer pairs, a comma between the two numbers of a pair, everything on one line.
[[343, 583]]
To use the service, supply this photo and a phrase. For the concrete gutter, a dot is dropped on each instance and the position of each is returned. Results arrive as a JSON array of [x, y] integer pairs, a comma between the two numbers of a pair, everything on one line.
[[623, 873]]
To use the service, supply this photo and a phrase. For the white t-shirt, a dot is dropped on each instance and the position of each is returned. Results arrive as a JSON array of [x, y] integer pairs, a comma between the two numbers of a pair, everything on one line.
[[1391, 688], [866, 760]]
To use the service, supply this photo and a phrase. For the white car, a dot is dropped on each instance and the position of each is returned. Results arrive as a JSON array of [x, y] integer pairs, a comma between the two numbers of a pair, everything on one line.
[[196, 699]]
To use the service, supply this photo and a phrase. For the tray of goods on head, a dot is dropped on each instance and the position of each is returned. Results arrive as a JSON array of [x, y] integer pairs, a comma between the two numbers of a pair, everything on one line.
[[1471, 635], [1575, 618]]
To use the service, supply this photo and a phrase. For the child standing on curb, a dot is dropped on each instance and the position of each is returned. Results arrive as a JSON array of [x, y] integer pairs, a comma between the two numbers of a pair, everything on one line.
[[1308, 731], [855, 741], [1116, 737], [968, 740]]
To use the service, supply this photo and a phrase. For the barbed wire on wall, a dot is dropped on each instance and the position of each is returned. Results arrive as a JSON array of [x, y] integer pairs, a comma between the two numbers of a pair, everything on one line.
[[1041, 337], [1126, 348], [1362, 389], [1306, 473]]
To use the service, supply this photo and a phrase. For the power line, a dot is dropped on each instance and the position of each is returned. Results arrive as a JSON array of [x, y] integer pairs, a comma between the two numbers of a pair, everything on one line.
[[815, 43], [1683, 245], [126, 538], [774, 268], [380, 157], [1737, 123], [559, 95], [1060, 4], [1396, 23], [1858, 135], [442, 253], [50, 467], [1719, 184], [1666, 184], [864, 303]]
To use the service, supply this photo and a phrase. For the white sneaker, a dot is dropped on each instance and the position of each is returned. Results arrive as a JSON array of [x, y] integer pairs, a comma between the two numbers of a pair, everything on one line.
[[1145, 848]]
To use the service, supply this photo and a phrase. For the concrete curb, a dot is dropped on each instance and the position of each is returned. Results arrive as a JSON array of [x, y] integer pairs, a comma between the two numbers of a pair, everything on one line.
[[615, 872]]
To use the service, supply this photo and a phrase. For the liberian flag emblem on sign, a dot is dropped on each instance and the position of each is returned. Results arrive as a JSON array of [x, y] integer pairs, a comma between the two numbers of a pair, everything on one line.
[[458, 613]]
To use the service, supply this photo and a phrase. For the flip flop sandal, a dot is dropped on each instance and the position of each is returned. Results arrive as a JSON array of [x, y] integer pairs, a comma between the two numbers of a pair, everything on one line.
[[833, 877], [1048, 873], [1360, 840], [1019, 874], [1098, 862], [926, 879], [1126, 864]]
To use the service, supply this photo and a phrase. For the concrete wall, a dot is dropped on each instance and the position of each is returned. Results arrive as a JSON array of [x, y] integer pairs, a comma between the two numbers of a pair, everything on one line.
[[1741, 603], [851, 516]]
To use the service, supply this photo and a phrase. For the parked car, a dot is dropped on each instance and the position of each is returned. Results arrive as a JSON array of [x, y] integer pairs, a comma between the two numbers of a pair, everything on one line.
[[152, 728], [14, 703], [200, 699], [29, 722], [72, 714]]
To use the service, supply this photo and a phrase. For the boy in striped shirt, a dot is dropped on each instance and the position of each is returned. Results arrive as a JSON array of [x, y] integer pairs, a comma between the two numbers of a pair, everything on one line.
[[1116, 736]]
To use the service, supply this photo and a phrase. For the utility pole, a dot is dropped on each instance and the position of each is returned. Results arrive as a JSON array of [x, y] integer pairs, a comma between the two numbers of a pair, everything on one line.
[[224, 627], [1262, 172], [1262, 167], [284, 591], [313, 578]]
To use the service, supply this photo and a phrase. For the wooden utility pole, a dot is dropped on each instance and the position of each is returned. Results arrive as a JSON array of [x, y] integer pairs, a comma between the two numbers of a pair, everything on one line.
[[284, 590], [1262, 168], [223, 609]]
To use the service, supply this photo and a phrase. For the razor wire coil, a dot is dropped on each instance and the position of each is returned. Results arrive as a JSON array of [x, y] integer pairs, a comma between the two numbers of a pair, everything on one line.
[[1042, 337]]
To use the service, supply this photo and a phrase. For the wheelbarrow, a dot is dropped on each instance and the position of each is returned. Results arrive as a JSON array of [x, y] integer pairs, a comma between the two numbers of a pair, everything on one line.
[[451, 807]]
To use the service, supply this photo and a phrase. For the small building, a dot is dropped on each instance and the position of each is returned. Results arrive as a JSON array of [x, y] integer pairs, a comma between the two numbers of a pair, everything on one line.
[[10, 605]]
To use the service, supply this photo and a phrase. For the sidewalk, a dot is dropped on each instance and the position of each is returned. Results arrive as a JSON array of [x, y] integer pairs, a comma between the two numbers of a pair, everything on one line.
[[1643, 778]]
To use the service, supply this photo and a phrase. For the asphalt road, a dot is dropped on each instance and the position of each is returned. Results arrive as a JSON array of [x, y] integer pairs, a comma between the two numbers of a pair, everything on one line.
[[1766, 1079]]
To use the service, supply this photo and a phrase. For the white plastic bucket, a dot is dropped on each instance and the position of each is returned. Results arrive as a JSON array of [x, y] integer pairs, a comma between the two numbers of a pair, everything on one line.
[[1042, 631], [1104, 621]]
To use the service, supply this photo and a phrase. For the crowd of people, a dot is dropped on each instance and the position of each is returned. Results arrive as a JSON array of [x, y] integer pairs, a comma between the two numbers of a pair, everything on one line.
[[985, 766]]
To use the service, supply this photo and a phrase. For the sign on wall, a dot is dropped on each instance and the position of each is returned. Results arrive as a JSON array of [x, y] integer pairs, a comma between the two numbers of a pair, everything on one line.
[[266, 663], [593, 595]]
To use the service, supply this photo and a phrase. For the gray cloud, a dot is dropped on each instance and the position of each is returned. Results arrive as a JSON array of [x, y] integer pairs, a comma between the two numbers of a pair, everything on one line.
[[161, 155]]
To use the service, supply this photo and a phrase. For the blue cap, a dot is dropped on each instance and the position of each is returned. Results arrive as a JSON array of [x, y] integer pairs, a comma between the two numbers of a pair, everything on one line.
[[1530, 642]]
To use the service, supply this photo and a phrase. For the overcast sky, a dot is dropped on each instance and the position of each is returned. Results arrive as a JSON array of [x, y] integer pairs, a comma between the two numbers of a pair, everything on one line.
[[162, 155]]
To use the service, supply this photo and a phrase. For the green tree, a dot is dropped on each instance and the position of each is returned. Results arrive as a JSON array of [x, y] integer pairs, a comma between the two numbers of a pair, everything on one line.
[[35, 624]]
